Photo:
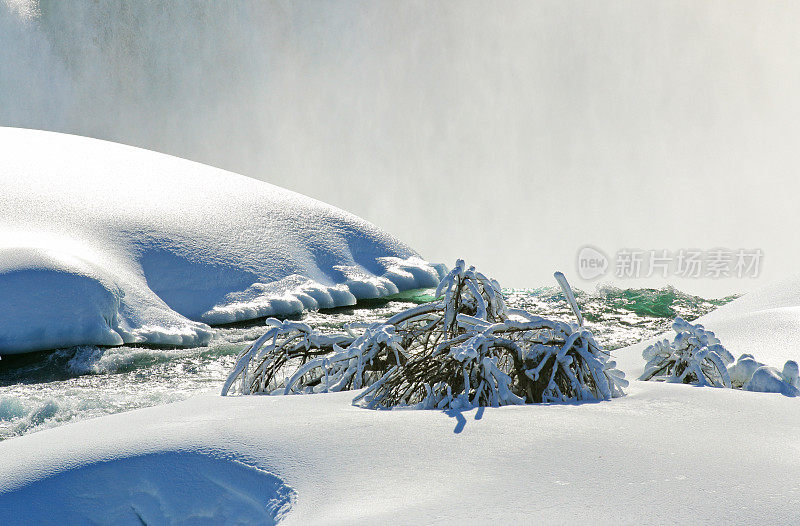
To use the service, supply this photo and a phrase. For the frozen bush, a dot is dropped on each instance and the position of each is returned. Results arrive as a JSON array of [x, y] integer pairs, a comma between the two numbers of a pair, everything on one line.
[[286, 345], [695, 356], [467, 348]]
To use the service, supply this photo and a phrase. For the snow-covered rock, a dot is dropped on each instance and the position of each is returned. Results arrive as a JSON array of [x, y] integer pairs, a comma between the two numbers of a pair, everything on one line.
[[791, 373], [741, 371], [102, 243], [769, 380]]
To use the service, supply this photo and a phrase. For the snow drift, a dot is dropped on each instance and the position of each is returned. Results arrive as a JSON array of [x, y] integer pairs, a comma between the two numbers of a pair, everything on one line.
[[105, 244], [560, 463]]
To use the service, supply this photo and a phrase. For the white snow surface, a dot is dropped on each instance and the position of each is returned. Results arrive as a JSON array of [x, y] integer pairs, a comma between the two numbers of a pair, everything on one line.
[[105, 244], [664, 454]]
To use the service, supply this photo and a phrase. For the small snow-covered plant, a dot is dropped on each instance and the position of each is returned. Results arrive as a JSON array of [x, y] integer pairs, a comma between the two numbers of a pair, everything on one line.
[[467, 348], [695, 356]]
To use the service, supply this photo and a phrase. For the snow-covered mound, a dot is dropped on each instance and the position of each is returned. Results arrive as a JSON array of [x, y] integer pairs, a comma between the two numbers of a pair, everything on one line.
[[767, 379], [666, 453], [764, 323], [104, 244]]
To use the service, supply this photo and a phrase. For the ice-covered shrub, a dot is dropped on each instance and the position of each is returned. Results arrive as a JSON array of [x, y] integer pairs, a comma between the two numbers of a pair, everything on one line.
[[466, 348], [695, 356]]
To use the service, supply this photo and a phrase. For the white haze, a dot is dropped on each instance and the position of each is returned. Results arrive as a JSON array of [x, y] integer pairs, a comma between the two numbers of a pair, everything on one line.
[[508, 133]]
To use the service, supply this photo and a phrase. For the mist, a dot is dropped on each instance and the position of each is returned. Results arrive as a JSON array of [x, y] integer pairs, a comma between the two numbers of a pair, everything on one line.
[[508, 133]]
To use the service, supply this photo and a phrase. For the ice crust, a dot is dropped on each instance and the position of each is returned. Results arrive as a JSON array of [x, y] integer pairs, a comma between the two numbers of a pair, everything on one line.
[[105, 244]]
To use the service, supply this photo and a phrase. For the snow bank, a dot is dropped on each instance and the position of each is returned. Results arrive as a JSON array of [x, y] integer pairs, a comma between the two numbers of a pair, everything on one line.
[[601, 463], [104, 244]]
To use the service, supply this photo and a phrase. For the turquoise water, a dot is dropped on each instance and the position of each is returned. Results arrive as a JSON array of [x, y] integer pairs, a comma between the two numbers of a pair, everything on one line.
[[43, 390]]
